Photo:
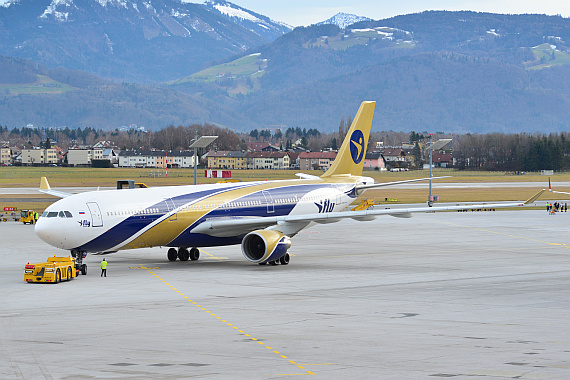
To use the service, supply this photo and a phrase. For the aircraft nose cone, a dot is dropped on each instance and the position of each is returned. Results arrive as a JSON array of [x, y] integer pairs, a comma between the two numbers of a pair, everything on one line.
[[45, 232]]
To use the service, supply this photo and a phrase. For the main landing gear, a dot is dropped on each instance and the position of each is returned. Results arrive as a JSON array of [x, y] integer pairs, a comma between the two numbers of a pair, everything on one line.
[[284, 260], [183, 254]]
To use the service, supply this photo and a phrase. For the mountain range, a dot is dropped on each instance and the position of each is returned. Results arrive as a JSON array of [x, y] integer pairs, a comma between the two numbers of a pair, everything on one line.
[[131, 40], [218, 62]]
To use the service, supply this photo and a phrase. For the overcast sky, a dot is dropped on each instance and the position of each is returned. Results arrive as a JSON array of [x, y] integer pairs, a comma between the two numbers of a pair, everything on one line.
[[306, 12]]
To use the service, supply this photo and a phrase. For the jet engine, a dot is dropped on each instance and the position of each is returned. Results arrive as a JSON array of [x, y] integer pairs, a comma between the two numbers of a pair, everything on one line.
[[264, 246]]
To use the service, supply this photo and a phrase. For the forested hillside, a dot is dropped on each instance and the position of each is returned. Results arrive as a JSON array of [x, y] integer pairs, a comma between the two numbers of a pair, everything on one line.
[[62, 97], [450, 71]]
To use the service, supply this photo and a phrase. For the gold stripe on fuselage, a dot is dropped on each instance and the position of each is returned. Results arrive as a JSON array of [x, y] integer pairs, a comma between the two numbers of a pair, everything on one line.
[[171, 227]]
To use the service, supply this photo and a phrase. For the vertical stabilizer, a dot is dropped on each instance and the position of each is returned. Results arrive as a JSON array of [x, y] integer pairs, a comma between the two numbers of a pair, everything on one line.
[[350, 157]]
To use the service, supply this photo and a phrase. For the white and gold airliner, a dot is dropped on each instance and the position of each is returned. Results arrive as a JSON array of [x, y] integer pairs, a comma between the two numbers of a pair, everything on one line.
[[261, 216]]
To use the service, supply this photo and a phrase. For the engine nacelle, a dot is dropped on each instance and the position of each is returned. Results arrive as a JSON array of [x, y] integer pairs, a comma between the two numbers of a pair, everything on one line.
[[265, 245]]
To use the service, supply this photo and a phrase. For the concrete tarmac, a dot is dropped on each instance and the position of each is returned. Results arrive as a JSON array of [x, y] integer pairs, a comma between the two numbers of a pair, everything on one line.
[[472, 295]]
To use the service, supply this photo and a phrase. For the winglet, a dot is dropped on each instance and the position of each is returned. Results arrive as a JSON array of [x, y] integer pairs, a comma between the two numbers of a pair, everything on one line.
[[44, 184], [549, 185], [534, 197], [552, 191]]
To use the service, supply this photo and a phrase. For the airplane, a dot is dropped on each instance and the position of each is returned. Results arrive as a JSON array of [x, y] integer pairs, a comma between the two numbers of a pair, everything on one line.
[[262, 216], [552, 191]]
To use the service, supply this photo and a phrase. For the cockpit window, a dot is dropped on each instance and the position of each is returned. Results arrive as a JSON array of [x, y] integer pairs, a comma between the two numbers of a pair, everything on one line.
[[68, 214], [52, 214], [61, 214], [44, 214]]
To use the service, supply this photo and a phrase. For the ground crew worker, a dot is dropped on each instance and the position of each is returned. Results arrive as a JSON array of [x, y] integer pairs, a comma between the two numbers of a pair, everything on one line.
[[103, 268]]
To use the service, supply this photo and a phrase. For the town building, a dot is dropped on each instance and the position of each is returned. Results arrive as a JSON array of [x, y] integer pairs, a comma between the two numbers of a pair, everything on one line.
[[374, 160], [39, 156], [225, 159], [112, 155], [156, 159], [5, 155], [267, 160], [261, 147], [316, 160], [442, 160], [392, 155], [293, 159], [83, 156]]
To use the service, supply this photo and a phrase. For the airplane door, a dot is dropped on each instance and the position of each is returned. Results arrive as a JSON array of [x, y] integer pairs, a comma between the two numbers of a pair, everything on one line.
[[96, 218], [170, 206], [268, 201], [336, 196]]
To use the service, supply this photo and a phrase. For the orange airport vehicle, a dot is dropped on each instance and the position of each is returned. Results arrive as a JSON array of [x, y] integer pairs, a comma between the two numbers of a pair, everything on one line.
[[56, 269]]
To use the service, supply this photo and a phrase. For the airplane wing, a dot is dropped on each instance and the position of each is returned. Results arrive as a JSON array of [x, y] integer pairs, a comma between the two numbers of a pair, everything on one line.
[[361, 188], [230, 227], [46, 189]]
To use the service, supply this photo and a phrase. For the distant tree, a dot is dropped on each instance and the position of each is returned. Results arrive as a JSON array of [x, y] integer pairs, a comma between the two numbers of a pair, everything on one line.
[[290, 132], [417, 152], [47, 144], [254, 134], [342, 129], [278, 134], [334, 145], [265, 134]]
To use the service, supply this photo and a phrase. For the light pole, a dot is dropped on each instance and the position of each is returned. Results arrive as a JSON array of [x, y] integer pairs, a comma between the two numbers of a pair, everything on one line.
[[201, 142], [434, 146]]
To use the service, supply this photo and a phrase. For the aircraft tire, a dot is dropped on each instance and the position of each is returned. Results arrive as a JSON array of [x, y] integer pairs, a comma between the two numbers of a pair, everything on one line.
[[274, 262], [194, 254], [183, 254], [172, 254], [284, 260], [84, 269]]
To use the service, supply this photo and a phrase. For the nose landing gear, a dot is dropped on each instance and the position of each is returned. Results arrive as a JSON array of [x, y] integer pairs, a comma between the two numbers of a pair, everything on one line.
[[79, 266]]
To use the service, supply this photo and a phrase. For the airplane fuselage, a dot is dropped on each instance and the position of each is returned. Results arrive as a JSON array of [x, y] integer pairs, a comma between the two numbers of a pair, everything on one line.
[[112, 220]]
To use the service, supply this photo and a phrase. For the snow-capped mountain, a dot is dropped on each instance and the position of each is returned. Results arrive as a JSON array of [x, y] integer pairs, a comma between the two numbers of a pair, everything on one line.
[[255, 22], [342, 20], [142, 40]]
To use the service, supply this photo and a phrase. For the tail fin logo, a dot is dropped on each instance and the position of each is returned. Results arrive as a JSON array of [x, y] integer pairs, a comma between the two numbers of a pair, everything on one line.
[[357, 146]]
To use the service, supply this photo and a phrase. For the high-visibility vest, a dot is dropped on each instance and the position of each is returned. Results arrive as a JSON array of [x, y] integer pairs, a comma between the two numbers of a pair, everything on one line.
[[103, 265]]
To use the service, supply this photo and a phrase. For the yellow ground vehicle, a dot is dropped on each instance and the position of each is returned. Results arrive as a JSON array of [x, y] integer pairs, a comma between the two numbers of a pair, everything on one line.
[[55, 270], [28, 216], [365, 204]]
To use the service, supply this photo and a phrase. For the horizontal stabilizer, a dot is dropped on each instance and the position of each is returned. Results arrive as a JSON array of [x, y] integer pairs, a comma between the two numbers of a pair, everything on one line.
[[46, 189], [307, 176]]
